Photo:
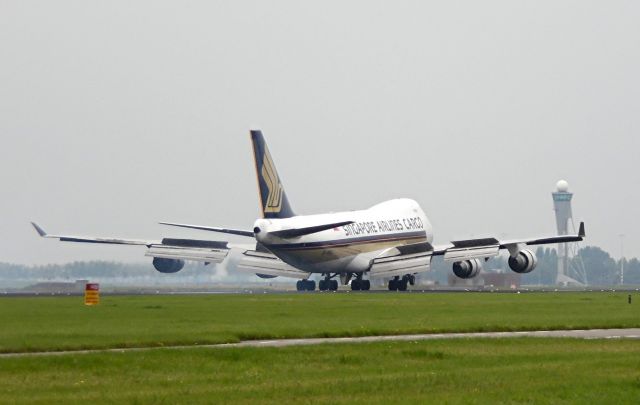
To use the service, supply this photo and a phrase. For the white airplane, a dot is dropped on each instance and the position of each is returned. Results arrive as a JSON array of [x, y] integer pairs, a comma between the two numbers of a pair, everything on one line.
[[392, 239]]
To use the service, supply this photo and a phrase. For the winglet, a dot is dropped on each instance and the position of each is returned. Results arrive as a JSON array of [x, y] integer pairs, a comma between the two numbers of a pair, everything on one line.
[[40, 231], [581, 230]]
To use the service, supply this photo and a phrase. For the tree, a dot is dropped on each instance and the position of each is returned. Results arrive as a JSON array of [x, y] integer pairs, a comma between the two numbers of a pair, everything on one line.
[[631, 271], [546, 271], [601, 269]]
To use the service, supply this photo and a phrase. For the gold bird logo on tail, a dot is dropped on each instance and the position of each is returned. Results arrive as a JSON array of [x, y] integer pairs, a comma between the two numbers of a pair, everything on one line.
[[274, 200]]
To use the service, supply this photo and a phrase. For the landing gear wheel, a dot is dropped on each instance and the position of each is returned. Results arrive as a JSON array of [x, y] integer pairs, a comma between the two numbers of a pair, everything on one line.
[[356, 285], [393, 285], [322, 285], [333, 285], [306, 285], [402, 284], [366, 285]]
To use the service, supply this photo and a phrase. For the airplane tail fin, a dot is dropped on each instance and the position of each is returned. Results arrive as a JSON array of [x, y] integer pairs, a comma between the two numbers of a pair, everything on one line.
[[273, 199]]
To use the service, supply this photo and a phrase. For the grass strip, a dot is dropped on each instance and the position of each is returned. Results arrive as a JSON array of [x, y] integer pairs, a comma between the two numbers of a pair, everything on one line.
[[521, 370], [63, 323]]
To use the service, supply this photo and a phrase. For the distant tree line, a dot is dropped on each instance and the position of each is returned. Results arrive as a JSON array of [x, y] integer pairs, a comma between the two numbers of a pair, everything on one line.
[[599, 266], [92, 270]]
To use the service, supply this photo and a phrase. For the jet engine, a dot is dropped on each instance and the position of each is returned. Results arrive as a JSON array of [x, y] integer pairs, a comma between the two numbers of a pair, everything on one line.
[[467, 268], [265, 275], [167, 265], [524, 262]]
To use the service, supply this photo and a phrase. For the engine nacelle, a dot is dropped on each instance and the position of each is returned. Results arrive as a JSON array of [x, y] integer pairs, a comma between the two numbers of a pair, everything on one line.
[[265, 275], [467, 268], [524, 262], [167, 265]]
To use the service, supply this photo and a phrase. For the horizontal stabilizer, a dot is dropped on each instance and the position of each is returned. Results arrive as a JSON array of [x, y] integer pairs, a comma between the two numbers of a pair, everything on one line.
[[295, 232], [239, 232]]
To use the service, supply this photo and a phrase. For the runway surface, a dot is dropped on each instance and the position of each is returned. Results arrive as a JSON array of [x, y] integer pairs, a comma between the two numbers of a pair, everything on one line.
[[633, 333]]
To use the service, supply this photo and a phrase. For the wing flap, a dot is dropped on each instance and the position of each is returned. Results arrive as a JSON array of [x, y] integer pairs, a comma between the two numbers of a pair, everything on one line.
[[268, 264], [186, 253], [478, 252], [403, 259]]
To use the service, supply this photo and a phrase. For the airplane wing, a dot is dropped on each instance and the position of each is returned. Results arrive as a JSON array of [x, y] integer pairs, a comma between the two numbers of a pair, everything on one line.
[[88, 239], [254, 260], [416, 258], [168, 248], [488, 247]]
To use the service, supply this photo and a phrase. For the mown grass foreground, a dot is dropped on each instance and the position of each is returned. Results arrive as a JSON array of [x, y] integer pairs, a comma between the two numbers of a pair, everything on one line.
[[520, 370], [59, 323]]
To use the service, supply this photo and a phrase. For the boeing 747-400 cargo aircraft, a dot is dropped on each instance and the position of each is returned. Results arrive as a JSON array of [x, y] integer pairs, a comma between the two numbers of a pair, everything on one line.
[[392, 239]]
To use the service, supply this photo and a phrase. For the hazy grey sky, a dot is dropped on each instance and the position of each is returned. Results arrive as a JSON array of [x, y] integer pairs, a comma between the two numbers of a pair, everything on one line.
[[115, 115]]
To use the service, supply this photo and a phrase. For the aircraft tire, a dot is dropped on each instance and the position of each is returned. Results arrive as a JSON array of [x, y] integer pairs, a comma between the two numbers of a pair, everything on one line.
[[333, 285], [402, 285], [322, 285], [299, 285], [393, 285], [366, 285], [355, 285], [310, 285]]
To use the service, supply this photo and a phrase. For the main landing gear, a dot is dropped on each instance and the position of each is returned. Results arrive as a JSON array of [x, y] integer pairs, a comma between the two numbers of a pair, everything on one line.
[[327, 284], [306, 285], [400, 284], [358, 284]]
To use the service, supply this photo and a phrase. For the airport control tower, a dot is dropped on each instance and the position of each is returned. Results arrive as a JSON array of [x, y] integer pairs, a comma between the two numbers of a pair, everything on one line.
[[564, 219]]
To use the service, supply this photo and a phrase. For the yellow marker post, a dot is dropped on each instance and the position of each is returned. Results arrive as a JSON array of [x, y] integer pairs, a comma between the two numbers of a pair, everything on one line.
[[92, 294]]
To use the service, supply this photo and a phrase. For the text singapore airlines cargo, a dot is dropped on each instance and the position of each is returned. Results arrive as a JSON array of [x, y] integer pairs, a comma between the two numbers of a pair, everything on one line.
[[392, 239]]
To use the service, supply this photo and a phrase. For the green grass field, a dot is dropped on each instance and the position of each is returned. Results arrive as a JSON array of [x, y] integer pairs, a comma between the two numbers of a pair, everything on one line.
[[521, 370], [57, 323]]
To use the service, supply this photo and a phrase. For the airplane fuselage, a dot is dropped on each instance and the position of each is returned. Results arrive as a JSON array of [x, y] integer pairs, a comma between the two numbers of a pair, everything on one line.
[[349, 248]]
